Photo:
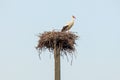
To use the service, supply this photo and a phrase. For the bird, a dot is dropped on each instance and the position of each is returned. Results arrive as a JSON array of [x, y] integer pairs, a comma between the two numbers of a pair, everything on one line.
[[68, 26]]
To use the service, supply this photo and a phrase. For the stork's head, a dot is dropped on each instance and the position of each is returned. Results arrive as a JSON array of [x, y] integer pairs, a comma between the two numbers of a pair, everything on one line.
[[74, 17]]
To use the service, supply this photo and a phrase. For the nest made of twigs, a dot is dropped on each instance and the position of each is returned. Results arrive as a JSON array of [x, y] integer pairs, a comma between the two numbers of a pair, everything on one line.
[[63, 40]]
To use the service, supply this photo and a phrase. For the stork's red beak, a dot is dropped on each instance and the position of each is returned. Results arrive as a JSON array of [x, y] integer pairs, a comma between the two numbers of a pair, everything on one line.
[[74, 17]]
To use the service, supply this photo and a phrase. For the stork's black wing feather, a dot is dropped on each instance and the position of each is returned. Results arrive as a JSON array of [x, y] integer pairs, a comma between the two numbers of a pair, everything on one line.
[[64, 28]]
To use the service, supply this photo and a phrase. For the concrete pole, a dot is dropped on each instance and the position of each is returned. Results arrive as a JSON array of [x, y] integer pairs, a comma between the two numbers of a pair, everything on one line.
[[57, 61]]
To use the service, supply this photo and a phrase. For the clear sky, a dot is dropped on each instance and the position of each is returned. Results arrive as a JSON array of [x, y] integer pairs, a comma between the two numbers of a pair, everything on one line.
[[98, 48]]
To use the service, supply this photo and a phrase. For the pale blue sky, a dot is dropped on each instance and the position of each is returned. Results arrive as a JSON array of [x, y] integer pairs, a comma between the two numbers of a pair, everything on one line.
[[98, 49]]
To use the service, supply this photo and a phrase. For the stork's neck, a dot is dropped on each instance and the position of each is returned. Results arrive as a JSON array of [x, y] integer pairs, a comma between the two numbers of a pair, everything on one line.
[[73, 19]]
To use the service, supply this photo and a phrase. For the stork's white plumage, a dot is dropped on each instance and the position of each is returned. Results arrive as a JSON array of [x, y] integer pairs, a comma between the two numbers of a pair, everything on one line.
[[68, 25]]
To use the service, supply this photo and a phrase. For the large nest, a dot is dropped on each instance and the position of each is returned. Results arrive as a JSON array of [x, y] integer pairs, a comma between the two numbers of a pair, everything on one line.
[[64, 40]]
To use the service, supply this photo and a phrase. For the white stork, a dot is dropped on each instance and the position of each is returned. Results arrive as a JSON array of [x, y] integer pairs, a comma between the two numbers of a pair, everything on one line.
[[68, 25]]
